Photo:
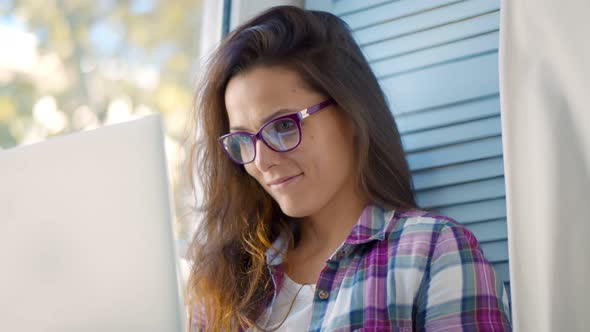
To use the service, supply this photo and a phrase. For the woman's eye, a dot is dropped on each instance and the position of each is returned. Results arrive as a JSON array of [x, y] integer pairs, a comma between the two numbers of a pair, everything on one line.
[[283, 126]]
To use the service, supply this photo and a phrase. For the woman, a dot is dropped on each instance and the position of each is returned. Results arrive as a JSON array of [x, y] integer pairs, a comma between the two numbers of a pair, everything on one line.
[[309, 220]]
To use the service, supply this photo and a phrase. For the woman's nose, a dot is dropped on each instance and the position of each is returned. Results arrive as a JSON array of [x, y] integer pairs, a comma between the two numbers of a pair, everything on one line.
[[265, 156]]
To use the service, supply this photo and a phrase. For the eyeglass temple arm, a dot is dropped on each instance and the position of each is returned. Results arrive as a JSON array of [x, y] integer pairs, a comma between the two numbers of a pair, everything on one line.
[[309, 111]]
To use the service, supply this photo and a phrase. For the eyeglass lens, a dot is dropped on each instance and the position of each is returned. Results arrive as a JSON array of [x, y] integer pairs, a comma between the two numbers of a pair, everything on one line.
[[279, 135]]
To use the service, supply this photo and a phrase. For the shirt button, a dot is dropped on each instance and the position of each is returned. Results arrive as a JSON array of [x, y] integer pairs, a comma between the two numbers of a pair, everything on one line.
[[340, 254], [323, 294]]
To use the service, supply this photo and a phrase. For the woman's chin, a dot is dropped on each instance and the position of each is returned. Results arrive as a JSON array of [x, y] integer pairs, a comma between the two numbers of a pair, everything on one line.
[[291, 209]]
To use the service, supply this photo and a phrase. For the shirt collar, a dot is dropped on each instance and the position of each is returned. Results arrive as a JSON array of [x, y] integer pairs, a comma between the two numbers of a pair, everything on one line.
[[275, 254], [373, 224]]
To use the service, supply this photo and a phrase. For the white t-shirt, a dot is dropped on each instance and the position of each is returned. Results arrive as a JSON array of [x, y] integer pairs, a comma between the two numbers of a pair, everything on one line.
[[299, 317]]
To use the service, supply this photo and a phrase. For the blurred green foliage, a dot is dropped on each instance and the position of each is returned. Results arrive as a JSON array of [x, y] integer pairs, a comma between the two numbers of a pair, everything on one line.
[[69, 65]]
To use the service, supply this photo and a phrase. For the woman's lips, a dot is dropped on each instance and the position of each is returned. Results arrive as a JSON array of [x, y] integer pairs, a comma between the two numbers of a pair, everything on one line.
[[286, 182]]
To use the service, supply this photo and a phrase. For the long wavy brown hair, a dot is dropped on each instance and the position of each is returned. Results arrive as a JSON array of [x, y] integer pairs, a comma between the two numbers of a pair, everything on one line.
[[229, 283]]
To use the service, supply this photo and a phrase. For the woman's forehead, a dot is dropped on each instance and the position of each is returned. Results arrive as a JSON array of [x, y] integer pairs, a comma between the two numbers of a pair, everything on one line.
[[255, 95], [262, 84]]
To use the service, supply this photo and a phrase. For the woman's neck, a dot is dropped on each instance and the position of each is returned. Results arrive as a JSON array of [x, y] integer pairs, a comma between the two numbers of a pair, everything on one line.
[[321, 234], [326, 229]]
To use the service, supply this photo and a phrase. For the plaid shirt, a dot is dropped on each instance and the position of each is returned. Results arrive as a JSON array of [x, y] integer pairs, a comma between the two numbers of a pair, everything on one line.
[[405, 271]]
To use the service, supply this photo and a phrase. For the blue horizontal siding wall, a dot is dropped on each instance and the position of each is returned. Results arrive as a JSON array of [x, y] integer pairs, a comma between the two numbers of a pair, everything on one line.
[[437, 61]]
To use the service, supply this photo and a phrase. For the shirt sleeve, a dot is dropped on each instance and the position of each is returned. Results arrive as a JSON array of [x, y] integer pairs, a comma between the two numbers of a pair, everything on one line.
[[460, 289]]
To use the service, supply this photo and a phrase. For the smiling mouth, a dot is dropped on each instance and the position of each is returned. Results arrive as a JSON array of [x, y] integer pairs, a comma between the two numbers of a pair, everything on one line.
[[286, 182]]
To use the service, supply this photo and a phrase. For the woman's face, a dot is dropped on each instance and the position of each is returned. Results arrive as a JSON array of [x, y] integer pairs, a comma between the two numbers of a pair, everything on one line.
[[321, 168]]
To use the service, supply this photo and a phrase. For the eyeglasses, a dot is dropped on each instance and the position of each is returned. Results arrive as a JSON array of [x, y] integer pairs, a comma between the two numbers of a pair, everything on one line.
[[281, 134]]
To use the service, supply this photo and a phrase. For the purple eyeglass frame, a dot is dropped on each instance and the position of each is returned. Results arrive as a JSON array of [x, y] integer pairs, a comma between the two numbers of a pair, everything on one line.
[[297, 117]]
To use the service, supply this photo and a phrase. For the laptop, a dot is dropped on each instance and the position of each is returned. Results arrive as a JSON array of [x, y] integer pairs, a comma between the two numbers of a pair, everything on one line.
[[86, 233]]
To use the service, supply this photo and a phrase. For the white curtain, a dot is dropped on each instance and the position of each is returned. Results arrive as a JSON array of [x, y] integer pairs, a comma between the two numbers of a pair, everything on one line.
[[545, 98]]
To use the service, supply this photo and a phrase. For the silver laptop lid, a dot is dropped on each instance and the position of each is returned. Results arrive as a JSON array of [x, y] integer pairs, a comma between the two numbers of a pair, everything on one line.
[[86, 240]]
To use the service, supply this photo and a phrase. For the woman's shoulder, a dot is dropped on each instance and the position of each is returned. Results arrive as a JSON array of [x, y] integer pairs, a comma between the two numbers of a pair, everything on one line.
[[420, 228], [418, 219]]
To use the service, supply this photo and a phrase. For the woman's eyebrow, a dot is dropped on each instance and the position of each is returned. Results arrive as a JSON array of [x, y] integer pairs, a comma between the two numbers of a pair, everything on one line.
[[265, 119]]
